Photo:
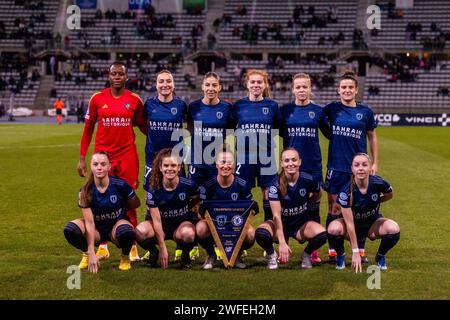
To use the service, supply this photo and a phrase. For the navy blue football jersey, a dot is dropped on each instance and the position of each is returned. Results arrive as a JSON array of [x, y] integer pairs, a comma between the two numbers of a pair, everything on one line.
[[209, 124], [237, 191], [349, 126], [163, 119], [254, 119], [300, 130], [294, 205], [110, 206], [174, 206], [365, 207]]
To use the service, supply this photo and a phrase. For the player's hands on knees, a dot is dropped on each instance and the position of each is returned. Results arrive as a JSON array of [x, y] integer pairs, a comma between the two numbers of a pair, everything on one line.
[[81, 168], [163, 258], [356, 262], [284, 252], [94, 263]]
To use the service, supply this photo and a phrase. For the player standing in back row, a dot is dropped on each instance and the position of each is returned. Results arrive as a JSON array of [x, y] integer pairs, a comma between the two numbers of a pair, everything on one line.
[[115, 110]]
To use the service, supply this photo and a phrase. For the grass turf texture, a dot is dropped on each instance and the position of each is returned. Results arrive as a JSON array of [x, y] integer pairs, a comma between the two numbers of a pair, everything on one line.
[[39, 187]]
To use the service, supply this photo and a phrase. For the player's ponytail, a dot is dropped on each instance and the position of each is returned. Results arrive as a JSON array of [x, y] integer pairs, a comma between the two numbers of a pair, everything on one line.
[[282, 180], [88, 187], [266, 92]]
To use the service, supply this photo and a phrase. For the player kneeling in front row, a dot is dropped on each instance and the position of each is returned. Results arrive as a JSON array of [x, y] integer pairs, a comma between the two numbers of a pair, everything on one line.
[[226, 186], [360, 200], [104, 202], [170, 201], [290, 196]]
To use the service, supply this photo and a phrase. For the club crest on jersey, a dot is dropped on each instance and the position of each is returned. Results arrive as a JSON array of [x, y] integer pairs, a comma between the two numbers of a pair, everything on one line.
[[219, 115], [127, 106], [173, 111], [182, 196], [265, 110], [303, 192], [113, 198], [359, 116], [375, 197], [221, 220], [234, 196], [237, 220], [312, 114]]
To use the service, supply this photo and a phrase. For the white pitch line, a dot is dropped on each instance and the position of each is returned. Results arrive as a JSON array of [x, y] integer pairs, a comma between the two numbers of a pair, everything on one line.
[[40, 146]]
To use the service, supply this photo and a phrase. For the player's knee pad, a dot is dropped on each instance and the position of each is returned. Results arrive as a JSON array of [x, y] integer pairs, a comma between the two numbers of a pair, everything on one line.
[[125, 235], [74, 236]]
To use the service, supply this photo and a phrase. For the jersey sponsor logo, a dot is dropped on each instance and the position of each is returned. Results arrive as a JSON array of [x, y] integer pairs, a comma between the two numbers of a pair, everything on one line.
[[219, 115], [303, 192], [265, 110], [234, 196], [273, 190], [221, 220], [173, 111], [149, 196], [359, 116], [182, 196], [127, 106], [375, 197], [312, 114], [113, 198], [237, 220], [202, 189]]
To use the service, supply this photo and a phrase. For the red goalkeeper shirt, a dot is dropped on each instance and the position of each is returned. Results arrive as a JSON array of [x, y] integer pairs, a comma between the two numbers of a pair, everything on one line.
[[115, 118]]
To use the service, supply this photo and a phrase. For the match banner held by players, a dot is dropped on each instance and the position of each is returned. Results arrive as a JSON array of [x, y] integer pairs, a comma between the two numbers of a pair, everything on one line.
[[228, 222]]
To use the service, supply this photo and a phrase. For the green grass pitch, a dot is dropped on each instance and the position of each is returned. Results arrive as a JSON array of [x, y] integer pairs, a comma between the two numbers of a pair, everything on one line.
[[39, 187]]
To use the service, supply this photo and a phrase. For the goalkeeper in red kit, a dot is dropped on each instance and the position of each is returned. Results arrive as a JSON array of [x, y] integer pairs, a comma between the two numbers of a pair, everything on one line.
[[115, 110]]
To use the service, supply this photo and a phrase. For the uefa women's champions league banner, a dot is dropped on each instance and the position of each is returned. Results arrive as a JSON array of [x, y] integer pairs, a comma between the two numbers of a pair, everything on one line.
[[413, 119], [228, 222]]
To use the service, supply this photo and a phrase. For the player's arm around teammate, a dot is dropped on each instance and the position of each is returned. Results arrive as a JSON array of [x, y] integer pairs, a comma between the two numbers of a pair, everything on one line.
[[360, 201], [290, 196], [103, 201]]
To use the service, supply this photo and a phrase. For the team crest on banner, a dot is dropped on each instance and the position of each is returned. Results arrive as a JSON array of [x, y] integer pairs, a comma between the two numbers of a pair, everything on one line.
[[359, 116], [173, 111], [228, 222], [219, 115], [265, 110], [312, 114]]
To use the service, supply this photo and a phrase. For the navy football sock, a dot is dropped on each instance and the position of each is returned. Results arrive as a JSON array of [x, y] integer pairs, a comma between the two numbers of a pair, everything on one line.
[[125, 236], [208, 245], [316, 242], [149, 244], [75, 237], [388, 242], [265, 240], [337, 242], [361, 243], [331, 218]]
